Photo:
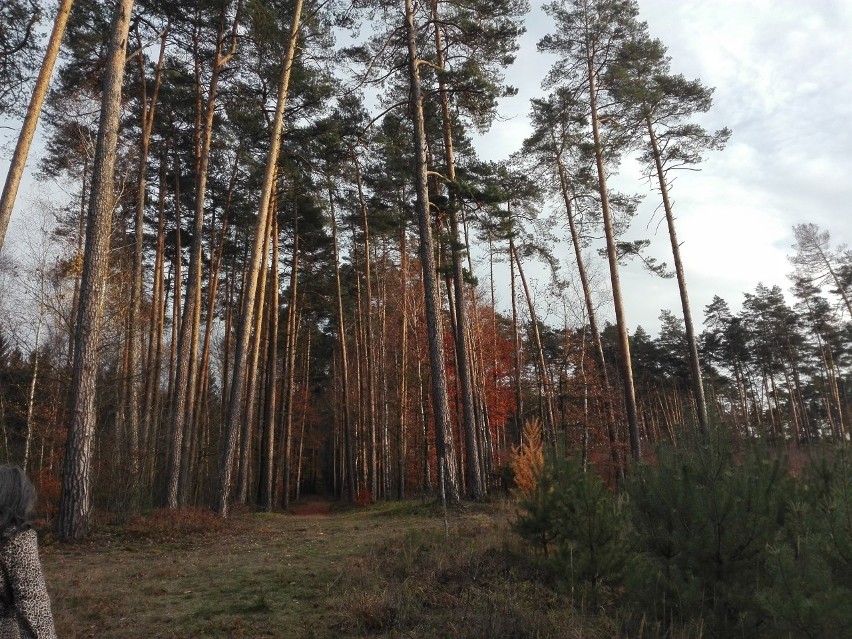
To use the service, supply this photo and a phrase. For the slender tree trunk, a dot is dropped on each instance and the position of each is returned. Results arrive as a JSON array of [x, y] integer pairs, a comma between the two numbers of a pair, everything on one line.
[[75, 500], [612, 256], [369, 349], [473, 477], [403, 373], [349, 456], [250, 418], [440, 401], [267, 465], [544, 376], [25, 137], [136, 292], [692, 344], [290, 377], [187, 369], [240, 356], [155, 332], [34, 379], [519, 396], [611, 432]]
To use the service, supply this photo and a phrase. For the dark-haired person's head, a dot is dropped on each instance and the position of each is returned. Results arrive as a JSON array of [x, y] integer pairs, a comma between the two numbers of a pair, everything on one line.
[[17, 500]]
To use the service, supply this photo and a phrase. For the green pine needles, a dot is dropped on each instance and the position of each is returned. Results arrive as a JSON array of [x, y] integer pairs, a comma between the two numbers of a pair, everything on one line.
[[706, 541], [579, 527]]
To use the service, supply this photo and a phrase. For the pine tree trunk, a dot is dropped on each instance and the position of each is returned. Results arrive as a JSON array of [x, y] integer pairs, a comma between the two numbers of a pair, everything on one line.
[[187, 362], [369, 349], [135, 347], [611, 432], [75, 500], [267, 461], [473, 477], [612, 256], [692, 344], [250, 418], [151, 390], [403, 376], [28, 129], [440, 402], [232, 425], [348, 444], [519, 397], [544, 376]]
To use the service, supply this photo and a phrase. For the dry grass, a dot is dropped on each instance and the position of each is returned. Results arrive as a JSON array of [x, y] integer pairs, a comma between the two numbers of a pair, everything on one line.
[[387, 570]]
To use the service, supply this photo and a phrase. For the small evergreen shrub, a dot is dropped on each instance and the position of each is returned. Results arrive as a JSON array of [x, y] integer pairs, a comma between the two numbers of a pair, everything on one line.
[[578, 525], [809, 567], [703, 523]]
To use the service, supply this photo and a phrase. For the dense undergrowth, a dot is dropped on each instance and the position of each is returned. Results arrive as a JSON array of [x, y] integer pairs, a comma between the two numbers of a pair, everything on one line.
[[705, 542]]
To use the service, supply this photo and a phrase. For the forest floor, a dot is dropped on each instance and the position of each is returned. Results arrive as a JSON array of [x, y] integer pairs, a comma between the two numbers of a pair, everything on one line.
[[388, 570]]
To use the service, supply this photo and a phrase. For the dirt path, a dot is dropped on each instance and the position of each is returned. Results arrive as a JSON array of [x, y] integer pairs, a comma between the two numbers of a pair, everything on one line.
[[263, 576]]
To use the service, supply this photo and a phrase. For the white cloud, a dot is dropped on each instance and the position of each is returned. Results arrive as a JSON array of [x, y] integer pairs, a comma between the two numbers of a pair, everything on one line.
[[780, 72]]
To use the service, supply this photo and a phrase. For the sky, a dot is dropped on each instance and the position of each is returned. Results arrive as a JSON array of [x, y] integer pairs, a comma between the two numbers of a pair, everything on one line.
[[782, 72]]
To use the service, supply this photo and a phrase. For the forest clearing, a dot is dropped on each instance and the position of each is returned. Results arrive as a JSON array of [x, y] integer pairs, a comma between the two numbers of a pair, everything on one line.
[[311, 574]]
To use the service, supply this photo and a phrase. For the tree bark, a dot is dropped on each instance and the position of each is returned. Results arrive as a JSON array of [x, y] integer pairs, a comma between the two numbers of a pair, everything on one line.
[[75, 500], [435, 333], [240, 356], [25, 137]]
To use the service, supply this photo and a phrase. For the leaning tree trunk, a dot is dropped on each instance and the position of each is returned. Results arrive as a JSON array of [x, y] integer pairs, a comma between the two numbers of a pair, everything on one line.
[[544, 378], [612, 257], [692, 344], [76, 500], [232, 423], [448, 468], [611, 432], [25, 138]]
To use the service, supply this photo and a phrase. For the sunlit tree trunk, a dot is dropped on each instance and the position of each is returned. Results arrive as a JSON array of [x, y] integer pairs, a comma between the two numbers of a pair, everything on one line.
[[25, 137], [473, 477], [75, 500], [232, 425], [267, 461], [187, 361], [443, 428]]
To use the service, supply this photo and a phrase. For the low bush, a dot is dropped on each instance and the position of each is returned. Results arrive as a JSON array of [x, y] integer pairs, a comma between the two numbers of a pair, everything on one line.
[[702, 523], [705, 542], [577, 524]]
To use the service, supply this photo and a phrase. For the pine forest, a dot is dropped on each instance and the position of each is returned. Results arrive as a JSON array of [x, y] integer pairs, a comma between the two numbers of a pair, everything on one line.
[[266, 262]]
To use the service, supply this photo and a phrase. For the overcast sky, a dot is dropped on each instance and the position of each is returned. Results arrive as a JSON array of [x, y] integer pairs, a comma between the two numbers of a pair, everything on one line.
[[782, 70]]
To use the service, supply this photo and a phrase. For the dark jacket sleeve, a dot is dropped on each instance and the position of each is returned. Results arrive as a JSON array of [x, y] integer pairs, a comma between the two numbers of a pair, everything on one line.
[[20, 557]]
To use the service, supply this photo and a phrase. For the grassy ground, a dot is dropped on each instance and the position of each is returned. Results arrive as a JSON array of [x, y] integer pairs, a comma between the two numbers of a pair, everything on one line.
[[391, 570]]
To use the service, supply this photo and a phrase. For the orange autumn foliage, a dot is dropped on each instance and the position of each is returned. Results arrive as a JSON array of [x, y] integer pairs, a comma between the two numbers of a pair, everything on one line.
[[528, 458]]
